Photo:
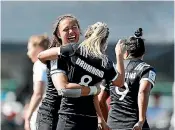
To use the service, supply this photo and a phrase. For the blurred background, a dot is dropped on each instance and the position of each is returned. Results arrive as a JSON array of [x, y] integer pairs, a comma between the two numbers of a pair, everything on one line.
[[20, 20]]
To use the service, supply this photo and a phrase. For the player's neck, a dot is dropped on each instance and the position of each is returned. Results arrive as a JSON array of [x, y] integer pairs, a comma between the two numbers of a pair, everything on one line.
[[134, 58], [129, 57]]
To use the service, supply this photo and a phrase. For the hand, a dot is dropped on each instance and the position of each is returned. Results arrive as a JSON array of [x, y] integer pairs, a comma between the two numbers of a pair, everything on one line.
[[27, 124], [119, 48], [103, 126], [138, 126]]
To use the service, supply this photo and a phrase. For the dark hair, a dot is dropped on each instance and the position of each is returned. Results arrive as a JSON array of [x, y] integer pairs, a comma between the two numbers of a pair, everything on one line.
[[56, 40], [135, 44]]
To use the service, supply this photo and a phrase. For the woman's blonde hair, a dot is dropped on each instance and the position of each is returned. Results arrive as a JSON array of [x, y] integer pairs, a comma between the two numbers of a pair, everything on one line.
[[96, 42], [39, 40]]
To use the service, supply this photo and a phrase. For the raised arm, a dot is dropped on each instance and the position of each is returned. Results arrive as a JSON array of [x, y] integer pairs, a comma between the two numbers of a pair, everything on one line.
[[50, 54], [55, 52], [119, 81], [116, 73]]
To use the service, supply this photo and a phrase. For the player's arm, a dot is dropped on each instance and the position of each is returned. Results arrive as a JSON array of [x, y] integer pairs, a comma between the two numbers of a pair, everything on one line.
[[101, 119], [119, 80], [34, 102], [67, 89], [146, 83], [38, 91], [49, 54], [102, 97], [116, 73], [119, 67], [36, 98], [55, 52]]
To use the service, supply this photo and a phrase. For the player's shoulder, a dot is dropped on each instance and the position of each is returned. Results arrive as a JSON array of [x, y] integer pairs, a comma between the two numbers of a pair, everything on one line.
[[148, 67], [39, 65], [147, 71], [143, 66]]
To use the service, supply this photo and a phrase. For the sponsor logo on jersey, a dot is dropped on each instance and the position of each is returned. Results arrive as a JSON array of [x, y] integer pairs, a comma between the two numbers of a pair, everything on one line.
[[89, 68], [152, 75], [130, 75]]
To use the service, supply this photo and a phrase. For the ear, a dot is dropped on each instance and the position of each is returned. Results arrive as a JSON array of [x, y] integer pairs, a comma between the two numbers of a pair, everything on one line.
[[58, 34]]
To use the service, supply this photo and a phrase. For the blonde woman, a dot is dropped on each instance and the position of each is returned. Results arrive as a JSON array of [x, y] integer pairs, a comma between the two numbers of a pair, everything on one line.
[[88, 65], [36, 44]]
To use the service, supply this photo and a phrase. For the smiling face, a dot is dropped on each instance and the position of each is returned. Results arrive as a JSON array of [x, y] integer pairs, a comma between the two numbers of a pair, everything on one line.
[[68, 31]]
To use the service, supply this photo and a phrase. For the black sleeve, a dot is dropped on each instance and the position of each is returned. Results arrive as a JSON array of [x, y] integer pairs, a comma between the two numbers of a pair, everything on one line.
[[68, 49], [149, 74], [48, 64], [55, 67], [111, 73]]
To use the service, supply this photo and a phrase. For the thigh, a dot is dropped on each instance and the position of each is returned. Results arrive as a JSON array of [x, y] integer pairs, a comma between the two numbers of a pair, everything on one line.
[[73, 122], [67, 122], [44, 122]]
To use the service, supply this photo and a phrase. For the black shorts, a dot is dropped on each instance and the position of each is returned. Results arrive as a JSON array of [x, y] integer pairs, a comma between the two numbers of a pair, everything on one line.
[[128, 125], [129, 128], [45, 122], [75, 122]]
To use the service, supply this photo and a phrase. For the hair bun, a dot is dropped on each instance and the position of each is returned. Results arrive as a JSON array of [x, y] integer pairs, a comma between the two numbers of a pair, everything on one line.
[[138, 33]]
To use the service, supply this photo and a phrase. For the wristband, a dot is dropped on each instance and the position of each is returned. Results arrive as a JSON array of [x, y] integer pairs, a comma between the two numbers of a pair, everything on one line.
[[93, 90]]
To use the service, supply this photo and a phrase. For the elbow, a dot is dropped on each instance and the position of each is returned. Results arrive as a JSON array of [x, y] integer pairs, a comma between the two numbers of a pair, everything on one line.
[[102, 103], [143, 92], [38, 95], [41, 58], [143, 95], [119, 82]]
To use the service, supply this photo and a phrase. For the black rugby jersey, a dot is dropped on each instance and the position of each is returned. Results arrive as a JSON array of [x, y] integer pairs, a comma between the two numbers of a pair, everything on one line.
[[123, 113], [52, 101], [86, 71]]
